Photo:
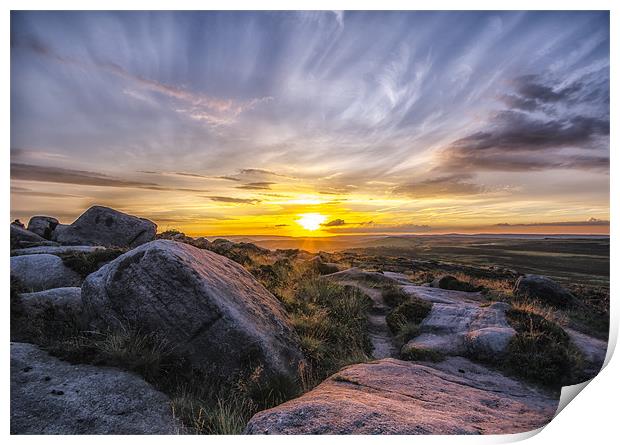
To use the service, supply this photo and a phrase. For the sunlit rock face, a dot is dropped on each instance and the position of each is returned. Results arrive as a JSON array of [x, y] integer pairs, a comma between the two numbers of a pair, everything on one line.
[[102, 226], [395, 397]]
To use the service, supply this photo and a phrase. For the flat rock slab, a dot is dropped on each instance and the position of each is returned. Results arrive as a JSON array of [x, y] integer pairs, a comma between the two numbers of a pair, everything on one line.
[[43, 271], [55, 250], [458, 325], [49, 396], [395, 397]]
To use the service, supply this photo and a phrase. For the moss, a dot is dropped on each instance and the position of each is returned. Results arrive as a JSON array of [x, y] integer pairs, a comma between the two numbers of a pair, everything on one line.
[[413, 311], [86, 263], [541, 351]]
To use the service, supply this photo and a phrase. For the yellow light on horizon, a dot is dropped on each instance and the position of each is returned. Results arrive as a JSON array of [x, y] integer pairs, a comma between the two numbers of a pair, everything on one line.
[[311, 221]]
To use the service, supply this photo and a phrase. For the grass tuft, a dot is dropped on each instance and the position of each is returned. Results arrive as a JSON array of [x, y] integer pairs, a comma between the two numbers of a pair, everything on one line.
[[85, 263]]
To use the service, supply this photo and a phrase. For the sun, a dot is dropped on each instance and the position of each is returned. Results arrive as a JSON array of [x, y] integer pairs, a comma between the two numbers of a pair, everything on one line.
[[311, 221]]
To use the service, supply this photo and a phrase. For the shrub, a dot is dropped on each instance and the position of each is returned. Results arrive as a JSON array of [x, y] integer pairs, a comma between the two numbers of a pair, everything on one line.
[[413, 311], [86, 263], [541, 351], [394, 295]]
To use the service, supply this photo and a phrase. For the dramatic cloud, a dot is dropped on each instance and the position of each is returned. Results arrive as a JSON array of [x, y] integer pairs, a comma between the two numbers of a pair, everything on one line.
[[334, 223], [38, 173], [256, 186], [231, 200]]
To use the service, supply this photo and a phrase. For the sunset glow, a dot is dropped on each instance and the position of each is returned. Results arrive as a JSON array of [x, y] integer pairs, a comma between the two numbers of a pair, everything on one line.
[[354, 123]]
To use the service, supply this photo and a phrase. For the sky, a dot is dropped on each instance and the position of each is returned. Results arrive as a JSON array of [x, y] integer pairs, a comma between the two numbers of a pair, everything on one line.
[[314, 123]]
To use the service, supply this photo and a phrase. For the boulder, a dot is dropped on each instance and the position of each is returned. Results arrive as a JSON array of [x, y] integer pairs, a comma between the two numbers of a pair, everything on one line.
[[63, 300], [456, 326], [20, 237], [449, 282], [322, 267], [49, 396], [210, 307], [55, 250], [102, 226], [394, 397], [543, 289], [42, 226], [43, 271], [36, 316]]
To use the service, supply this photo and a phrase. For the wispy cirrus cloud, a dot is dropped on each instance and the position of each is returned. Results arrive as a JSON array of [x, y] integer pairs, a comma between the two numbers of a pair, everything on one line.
[[195, 105]]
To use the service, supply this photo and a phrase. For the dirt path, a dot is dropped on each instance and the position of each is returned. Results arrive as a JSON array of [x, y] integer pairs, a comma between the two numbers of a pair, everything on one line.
[[380, 336]]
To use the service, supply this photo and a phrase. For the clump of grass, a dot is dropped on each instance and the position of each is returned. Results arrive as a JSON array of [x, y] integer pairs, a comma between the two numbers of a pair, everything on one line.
[[331, 321], [422, 354], [85, 263], [541, 351], [394, 295], [411, 312]]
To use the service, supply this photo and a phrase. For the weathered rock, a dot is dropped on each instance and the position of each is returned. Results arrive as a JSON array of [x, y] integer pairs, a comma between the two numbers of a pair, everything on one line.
[[62, 300], [55, 250], [459, 326], [42, 226], [449, 282], [322, 267], [43, 271], [395, 397], [37, 315], [592, 349], [49, 396], [210, 307], [21, 236], [102, 226], [543, 289]]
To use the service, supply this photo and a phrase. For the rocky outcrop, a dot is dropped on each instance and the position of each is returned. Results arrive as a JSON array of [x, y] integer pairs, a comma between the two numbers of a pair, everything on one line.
[[55, 250], [21, 237], [459, 326], [210, 307], [49, 396], [543, 289], [43, 271], [395, 397], [42, 226], [102, 226]]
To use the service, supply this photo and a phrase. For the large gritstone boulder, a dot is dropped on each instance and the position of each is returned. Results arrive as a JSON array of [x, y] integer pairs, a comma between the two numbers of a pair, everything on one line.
[[49, 396], [394, 397], [102, 226], [543, 289], [210, 307]]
